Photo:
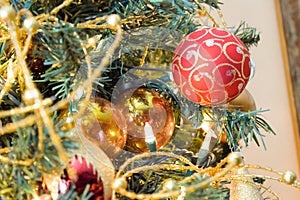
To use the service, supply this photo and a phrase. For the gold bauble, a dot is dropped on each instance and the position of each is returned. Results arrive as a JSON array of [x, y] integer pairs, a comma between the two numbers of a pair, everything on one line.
[[119, 183], [146, 105], [289, 177], [244, 102], [99, 126]]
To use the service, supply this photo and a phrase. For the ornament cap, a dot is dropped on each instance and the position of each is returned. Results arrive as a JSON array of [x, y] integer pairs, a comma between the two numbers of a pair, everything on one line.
[[7, 13]]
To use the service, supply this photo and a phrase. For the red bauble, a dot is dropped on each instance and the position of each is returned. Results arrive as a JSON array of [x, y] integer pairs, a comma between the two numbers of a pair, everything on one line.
[[82, 174], [211, 66]]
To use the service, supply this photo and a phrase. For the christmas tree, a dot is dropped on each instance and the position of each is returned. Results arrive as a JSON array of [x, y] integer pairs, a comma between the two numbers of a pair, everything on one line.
[[127, 99]]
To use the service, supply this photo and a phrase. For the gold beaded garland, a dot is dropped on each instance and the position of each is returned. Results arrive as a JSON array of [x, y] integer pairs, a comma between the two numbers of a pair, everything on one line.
[[30, 96], [170, 185], [289, 177], [235, 158], [7, 13], [119, 183], [30, 24], [210, 177], [113, 20]]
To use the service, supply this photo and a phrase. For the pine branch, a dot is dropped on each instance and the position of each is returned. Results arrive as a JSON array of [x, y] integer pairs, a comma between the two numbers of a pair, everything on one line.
[[71, 194], [61, 52], [247, 34], [237, 125], [27, 164], [60, 49], [245, 126]]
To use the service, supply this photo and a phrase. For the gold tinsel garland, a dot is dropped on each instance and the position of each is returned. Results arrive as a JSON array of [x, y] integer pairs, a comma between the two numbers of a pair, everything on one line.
[[43, 108], [242, 186]]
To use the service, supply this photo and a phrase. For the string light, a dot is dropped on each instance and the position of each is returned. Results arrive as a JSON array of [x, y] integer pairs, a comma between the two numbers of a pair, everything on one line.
[[150, 138]]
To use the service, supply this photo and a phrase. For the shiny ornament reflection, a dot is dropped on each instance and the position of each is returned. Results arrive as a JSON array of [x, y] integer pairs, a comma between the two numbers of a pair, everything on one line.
[[146, 105], [99, 126]]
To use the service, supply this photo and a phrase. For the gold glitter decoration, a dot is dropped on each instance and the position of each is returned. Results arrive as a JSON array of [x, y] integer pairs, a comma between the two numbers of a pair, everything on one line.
[[235, 171], [242, 190]]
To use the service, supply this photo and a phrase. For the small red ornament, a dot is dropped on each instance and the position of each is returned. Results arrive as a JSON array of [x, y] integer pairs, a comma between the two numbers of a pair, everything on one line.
[[211, 66], [82, 174]]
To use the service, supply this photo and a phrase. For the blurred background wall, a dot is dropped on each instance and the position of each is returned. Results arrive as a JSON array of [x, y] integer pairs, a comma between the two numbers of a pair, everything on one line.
[[290, 10], [270, 88]]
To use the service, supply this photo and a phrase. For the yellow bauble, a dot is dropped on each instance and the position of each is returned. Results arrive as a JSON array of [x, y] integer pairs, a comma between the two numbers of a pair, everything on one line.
[[146, 105], [244, 102], [99, 126]]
